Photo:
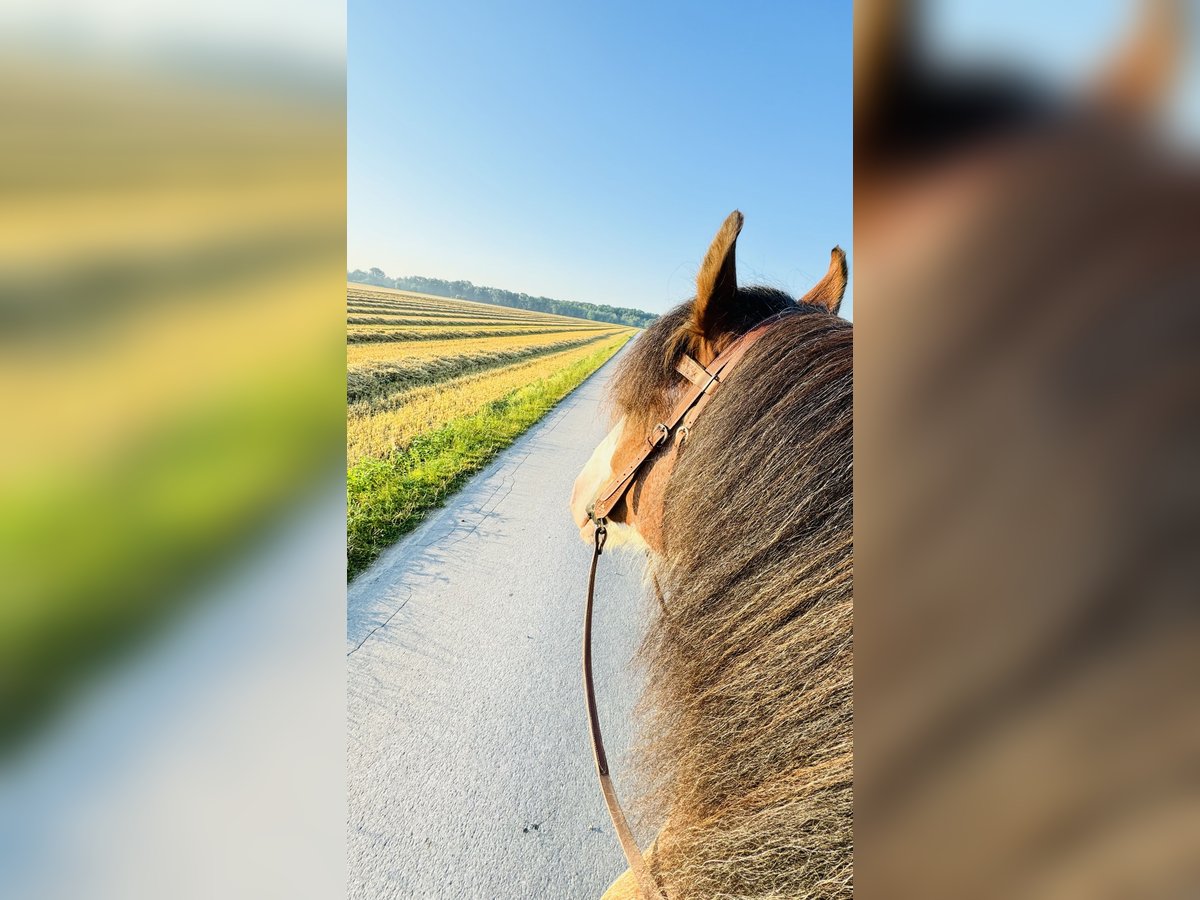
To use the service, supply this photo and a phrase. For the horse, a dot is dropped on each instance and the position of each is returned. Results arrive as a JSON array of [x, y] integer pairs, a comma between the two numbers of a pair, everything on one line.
[[747, 514]]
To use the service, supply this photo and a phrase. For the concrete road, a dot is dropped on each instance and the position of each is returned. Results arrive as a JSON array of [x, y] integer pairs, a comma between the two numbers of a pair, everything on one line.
[[470, 771]]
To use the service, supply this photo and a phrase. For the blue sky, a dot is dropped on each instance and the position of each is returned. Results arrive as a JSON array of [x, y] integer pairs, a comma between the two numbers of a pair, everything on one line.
[[590, 151]]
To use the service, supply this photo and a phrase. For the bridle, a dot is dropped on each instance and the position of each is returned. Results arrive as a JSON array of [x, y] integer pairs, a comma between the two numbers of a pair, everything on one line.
[[704, 382]]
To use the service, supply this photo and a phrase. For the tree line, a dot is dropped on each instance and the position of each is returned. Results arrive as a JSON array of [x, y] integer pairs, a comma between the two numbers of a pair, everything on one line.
[[465, 290]]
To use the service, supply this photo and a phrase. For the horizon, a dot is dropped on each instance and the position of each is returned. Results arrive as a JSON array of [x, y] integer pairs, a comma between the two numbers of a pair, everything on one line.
[[492, 287]]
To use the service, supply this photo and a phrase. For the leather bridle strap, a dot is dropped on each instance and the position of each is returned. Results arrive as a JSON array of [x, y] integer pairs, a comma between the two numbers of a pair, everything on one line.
[[704, 381], [633, 854]]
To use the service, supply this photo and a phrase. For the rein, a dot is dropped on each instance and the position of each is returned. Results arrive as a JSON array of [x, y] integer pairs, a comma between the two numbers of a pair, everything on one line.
[[704, 383]]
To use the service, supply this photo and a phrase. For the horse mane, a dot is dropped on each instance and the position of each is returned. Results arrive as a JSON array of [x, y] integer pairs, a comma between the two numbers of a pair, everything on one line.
[[746, 745]]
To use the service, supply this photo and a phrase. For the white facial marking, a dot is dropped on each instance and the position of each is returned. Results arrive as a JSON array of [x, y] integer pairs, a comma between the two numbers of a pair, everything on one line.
[[595, 473]]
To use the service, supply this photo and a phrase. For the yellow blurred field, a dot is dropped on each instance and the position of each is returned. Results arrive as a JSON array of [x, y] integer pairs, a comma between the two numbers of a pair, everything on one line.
[[170, 354]]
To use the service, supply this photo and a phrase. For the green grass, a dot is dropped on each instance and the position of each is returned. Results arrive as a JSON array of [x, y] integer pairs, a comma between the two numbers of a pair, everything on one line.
[[386, 498], [95, 564]]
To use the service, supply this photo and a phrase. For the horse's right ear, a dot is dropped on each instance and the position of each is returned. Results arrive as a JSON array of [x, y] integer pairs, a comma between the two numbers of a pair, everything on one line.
[[1139, 78], [716, 284]]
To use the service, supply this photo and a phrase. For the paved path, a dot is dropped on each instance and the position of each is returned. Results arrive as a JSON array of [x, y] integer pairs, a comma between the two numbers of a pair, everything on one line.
[[469, 769]]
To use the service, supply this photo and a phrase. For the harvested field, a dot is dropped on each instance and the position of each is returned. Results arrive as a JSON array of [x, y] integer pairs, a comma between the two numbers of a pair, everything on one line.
[[436, 387]]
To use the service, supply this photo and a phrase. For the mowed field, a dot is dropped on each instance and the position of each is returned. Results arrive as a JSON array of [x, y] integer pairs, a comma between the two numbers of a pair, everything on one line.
[[435, 388]]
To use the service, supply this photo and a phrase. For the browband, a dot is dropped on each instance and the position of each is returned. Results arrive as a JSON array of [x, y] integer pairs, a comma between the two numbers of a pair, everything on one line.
[[704, 382]]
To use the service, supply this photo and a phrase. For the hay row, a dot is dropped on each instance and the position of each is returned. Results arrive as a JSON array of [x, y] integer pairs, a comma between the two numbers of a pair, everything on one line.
[[377, 429], [389, 335], [402, 319], [453, 312], [425, 301], [376, 380], [371, 353]]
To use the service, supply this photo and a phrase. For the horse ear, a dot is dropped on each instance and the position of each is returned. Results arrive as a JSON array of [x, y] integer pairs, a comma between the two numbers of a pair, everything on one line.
[[716, 285], [828, 292], [1141, 74]]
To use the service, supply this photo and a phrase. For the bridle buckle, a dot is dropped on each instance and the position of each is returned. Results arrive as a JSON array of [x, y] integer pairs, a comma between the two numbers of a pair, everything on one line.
[[658, 435]]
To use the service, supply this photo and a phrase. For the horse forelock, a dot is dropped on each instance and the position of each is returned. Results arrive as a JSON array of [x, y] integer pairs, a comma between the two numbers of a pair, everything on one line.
[[646, 383]]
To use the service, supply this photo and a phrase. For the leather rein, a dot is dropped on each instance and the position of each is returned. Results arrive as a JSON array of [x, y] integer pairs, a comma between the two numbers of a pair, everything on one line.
[[704, 382]]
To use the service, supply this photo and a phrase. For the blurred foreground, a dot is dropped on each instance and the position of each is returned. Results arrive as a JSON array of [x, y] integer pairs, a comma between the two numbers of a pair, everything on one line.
[[1028, 430], [171, 274]]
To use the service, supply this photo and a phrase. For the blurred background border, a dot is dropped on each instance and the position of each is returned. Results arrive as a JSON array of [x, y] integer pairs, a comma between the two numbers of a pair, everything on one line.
[[172, 269]]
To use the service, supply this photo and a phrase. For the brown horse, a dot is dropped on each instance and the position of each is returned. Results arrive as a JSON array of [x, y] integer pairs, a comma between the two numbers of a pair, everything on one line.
[[747, 747]]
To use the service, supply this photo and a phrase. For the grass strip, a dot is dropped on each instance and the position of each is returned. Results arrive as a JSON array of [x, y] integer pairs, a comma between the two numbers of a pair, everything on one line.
[[95, 561], [386, 498]]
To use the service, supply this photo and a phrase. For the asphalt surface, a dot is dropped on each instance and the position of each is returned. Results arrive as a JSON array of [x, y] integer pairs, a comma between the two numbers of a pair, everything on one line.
[[469, 767]]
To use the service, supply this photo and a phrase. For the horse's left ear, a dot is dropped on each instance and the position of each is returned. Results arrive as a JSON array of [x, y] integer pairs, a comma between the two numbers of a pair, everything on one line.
[[716, 284], [828, 292]]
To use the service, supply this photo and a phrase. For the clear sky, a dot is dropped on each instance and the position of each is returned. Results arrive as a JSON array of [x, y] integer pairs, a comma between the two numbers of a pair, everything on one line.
[[590, 151]]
